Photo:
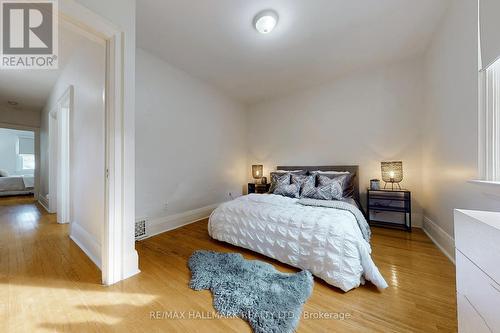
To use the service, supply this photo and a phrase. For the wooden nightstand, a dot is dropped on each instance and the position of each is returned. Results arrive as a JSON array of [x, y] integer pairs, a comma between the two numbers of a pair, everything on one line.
[[389, 208], [258, 188]]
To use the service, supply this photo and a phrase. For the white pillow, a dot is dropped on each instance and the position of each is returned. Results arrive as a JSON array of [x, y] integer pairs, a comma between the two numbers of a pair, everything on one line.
[[4, 173], [332, 172]]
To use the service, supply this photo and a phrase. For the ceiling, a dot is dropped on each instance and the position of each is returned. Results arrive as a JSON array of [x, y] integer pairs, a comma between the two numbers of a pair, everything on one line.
[[31, 88], [314, 42]]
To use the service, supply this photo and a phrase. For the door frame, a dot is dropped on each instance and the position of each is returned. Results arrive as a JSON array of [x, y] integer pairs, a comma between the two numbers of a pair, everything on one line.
[[52, 159], [59, 157], [117, 262]]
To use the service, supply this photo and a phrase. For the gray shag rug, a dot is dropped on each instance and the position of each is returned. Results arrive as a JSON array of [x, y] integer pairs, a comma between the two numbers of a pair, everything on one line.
[[253, 290]]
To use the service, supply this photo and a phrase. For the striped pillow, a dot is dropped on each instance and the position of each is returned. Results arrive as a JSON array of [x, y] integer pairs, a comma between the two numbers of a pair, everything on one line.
[[284, 188], [276, 174]]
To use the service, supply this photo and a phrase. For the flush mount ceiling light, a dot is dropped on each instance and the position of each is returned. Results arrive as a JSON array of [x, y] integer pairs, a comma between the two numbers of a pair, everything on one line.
[[265, 21], [12, 103]]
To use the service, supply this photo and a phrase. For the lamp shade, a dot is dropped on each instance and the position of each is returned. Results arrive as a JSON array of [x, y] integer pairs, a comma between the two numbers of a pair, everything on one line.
[[392, 172], [257, 171]]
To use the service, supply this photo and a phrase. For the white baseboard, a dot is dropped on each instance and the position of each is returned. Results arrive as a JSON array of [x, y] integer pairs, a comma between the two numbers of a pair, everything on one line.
[[441, 238], [87, 243], [130, 267], [163, 224]]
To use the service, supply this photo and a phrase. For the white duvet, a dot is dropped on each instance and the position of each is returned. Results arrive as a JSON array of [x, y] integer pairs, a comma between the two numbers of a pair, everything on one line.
[[325, 241]]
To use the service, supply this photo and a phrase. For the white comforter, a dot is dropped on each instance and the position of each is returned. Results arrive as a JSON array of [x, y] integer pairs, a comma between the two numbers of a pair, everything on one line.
[[325, 241]]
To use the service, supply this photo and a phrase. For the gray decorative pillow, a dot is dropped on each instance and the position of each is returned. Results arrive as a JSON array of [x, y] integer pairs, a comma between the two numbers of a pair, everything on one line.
[[284, 188], [300, 180], [274, 180], [327, 189], [345, 179], [309, 190], [335, 186], [276, 174]]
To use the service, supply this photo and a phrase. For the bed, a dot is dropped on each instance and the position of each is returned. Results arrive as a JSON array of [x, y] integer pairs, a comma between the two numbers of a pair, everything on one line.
[[16, 185], [327, 238]]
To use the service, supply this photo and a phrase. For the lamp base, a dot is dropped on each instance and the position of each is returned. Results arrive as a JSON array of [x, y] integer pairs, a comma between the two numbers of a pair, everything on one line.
[[392, 185]]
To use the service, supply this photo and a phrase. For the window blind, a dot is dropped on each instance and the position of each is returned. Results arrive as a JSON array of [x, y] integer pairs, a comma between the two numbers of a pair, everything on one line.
[[489, 123], [489, 29], [26, 146]]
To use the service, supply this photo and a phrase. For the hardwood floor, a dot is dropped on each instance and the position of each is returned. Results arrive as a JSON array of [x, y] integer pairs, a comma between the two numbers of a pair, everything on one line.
[[47, 284]]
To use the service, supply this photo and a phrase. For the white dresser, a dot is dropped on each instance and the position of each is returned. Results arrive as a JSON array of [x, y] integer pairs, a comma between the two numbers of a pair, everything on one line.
[[477, 243]]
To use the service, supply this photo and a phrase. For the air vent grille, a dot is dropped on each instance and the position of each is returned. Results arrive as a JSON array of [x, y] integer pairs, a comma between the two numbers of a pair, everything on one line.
[[140, 229]]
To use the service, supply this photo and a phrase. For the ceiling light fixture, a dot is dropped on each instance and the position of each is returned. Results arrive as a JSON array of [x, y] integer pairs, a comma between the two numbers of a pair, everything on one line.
[[12, 103], [265, 21]]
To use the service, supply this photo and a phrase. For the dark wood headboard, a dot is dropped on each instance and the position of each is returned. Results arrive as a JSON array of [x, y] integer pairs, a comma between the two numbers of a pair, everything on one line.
[[353, 169]]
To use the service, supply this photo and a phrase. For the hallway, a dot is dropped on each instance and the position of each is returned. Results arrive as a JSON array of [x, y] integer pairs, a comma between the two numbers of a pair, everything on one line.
[[40, 267], [47, 284]]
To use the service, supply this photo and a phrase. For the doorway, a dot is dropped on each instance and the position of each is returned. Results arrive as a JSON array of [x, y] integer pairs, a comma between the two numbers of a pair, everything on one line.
[[119, 259], [59, 165], [112, 229], [18, 160], [74, 119]]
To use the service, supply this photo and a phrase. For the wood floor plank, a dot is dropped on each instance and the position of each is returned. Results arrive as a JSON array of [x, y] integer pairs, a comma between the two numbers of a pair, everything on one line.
[[47, 284]]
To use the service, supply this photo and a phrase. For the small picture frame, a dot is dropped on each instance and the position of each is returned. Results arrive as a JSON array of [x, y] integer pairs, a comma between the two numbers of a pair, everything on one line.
[[375, 184]]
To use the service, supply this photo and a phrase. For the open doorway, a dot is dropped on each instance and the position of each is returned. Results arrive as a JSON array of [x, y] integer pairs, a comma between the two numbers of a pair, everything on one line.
[[109, 242], [17, 161], [73, 140], [69, 109]]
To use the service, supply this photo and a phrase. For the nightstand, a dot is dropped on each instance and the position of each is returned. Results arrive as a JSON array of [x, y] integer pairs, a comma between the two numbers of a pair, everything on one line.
[[258, 188], [389, 208]]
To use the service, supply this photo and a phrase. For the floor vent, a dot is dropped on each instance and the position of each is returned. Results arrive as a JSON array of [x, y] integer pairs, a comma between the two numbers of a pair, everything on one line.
[[140, 229]]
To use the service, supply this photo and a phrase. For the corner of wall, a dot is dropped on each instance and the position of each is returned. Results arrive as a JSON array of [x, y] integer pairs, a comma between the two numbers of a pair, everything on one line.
[[171, 222], [441, 238]]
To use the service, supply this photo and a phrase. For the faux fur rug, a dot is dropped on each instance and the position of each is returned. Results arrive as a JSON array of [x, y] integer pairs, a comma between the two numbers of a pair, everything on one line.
[[253, 290]]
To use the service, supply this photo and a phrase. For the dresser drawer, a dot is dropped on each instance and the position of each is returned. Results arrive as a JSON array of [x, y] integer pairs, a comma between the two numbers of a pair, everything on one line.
[[469, 321], [479, 241], [482, 292]]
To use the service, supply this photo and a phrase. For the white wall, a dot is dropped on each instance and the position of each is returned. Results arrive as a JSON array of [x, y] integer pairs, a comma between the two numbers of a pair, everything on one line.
[[85, 71], [122, 14], [362, 119], [422, 111], [9, 159], [450, 129], [19, 117], [190, 143]]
